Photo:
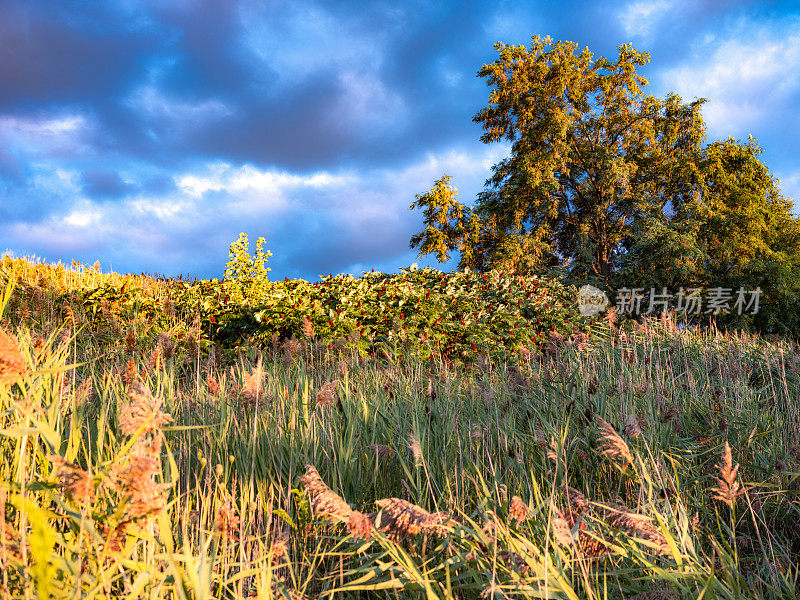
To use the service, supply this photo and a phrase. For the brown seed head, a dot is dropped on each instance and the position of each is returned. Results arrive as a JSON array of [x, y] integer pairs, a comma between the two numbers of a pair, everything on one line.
[[612, 444], [324, 501], [359, 525], [253, 388], [728, 488], [227, 521], [517, 510], [142, 409], [632, 429], [138, 480], [12, 365], [77, 482], [167, 345], [327, 394], [400, 519], [308, 328], [635, 524]]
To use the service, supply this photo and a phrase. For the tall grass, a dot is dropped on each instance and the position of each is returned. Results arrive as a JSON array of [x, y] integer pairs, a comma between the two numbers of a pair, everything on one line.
[[137, 464]]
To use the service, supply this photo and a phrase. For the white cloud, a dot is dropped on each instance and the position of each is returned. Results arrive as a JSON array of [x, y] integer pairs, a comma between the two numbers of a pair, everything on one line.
[[746, 77], [638, 18], [790, 187], [295, 40], [151, 103], [363, 215], [45, 136], [368, 105], [223, 177]]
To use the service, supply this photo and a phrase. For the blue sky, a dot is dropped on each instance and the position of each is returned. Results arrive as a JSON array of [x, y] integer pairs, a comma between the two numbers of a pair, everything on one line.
[[147, 135]]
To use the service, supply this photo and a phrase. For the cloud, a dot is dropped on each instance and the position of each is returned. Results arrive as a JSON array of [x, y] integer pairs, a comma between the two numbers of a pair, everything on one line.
[[102, 183], [790, 186], [747, 76], [44, 135], [640, 17], [314, 223]]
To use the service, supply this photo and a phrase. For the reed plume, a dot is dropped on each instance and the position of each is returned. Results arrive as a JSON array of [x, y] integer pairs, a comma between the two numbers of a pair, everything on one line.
[[12, 365], [327, 394], [324, 501], [635, 524], [138, 480], [517, 510], [308, 328], [613, 446], [142, 410], [329, 505], [400, 519], [728, 489], [78, 483], [253, 388]]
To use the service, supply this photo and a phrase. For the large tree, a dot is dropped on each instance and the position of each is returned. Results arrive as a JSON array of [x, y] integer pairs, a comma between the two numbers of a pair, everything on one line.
[[737, 231], [591, 156]]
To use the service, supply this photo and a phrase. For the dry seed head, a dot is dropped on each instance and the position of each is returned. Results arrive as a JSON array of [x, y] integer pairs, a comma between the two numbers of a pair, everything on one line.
[[576, 501], [167, 345], [517, 510], [635, 524], [253, 387], [632, 428], [324, 501], [138, 480], [115, 538], [359, 525], [213, 386], [227, 521], [83, 392], [400, 519], [562, 532], [77, 482], [292, 346], [327, 394], [12, 365], [131, 372], [728, 489], [381, 450], [612, 444], [155, 358], [308, 328], [279, 549], [130, 341], [142, 409], [416, 448], [343, 370]]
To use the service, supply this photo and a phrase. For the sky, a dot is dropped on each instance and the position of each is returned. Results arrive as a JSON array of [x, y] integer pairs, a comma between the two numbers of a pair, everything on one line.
[[147, 135]]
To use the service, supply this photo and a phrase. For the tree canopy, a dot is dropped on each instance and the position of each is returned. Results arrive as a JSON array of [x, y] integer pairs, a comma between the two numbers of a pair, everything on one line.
[[613, 184]]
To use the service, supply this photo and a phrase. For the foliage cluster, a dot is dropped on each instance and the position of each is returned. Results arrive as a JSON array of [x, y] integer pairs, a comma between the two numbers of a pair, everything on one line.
[[419, 311]]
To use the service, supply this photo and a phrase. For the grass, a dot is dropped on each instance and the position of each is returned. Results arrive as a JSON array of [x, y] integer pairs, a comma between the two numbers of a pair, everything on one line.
[[652, 462]]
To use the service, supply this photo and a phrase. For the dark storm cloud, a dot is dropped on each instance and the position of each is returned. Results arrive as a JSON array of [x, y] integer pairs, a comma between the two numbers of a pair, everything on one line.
[[48, 55], [100, 183]]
